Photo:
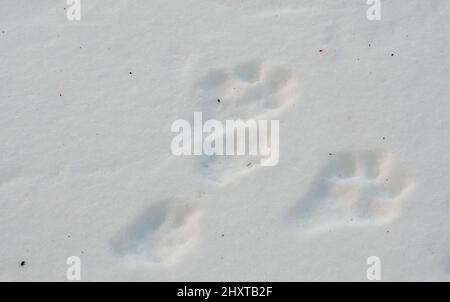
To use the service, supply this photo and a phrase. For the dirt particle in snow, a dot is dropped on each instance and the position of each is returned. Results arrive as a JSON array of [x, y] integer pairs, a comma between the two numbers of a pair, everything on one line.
[[320, 50], [218, 100], [383, 138], [22, 263], [60, 94], [222, 235], [392, 54], [330, 154], [130, 72]]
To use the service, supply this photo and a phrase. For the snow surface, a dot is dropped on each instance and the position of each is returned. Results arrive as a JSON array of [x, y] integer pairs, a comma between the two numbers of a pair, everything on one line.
[[86, 170]]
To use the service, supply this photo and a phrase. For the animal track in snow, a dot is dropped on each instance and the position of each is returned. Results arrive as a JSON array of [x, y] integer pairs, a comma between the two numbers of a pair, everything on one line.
[[252, 90], [248, 91], [161, 234], [355, 188], [223, 169]]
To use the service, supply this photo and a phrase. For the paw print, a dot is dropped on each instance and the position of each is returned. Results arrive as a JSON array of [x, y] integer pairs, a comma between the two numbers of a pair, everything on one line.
[[160, 235], [355, 188], [252, 90], [247, 91]]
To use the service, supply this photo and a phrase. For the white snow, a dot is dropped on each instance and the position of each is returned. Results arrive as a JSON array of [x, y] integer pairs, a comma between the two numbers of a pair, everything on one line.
[[86, 169]]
